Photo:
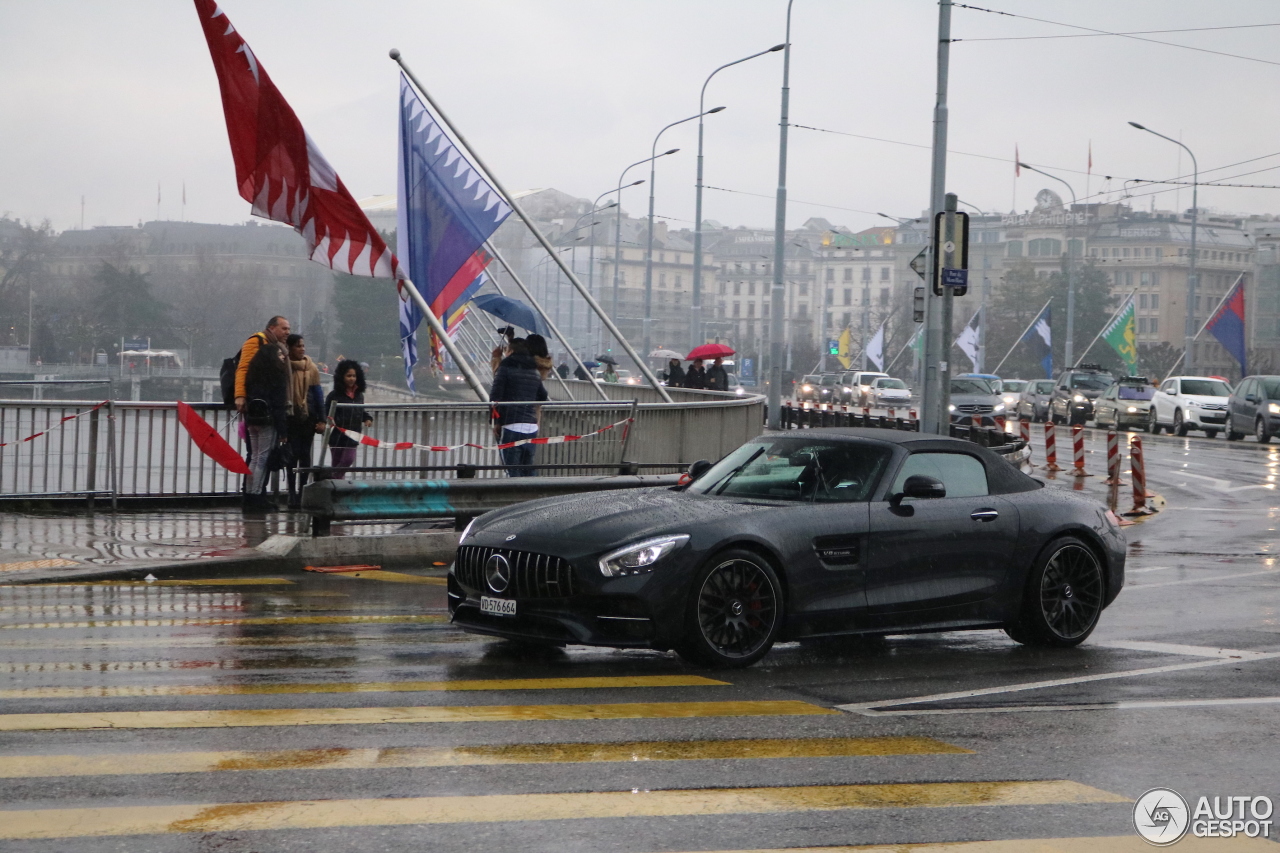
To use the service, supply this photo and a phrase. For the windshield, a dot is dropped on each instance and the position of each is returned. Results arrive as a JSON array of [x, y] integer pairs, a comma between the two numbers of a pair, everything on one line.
[[1129, 392], [1044, 387], [1091, 381], [1271, 388], [830, 380], [811, 380], [970, 386], [1013, 386], [1206, 388], [797, 469], [891, 383]]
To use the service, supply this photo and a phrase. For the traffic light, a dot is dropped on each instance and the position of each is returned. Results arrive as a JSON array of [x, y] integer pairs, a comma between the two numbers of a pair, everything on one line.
[[917, 306]]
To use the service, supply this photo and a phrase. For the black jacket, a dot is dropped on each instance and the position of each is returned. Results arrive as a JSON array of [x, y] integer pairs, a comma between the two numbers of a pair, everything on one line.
[[696, 377], [717, 379], [516, 386], [675, 376], [350, 417], [266, 388]]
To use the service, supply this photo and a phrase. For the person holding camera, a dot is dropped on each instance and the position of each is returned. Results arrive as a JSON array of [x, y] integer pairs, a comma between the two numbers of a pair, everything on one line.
[[517, 388]]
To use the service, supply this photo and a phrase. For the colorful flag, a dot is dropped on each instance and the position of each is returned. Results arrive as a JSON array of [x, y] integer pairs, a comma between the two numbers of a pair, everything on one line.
[[446, 212], [1227, 325], [844, 348], [460, 306], [875, 348], [1121, 333], [970, 339], [1039, 338], [279, 170]]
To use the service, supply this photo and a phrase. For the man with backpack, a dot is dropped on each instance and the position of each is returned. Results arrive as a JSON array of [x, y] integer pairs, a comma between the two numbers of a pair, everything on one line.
[[262, 436]]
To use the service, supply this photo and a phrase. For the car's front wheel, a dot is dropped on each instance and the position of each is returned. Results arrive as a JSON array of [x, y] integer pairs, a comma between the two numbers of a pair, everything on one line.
[[735, 611], [1063, 598], [1180, 424], [1260, 431]]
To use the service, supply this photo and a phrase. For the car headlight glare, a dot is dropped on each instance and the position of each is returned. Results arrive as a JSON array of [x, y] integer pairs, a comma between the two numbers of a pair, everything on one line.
[[951, 407], [1133, 409], [1079, 398], [640, 557], [806, 387], [999, 407], [1273, 408]]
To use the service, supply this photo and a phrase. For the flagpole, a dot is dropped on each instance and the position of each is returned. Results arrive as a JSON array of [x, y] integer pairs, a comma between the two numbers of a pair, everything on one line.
[[1018, 340], [1114, 315], [546, 318], [537, 233], [443, 336], [905, 347]]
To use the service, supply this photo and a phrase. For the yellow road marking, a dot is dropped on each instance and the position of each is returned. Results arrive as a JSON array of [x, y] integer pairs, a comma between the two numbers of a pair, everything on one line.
[[253, 620], [137, 690], [417, 714], [134, 764], [52, 563], [1111, 844], [244, 817], [391, 577]]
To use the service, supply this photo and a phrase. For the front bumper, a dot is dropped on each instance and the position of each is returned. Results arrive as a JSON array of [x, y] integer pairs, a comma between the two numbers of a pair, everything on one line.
[[1207, 418]]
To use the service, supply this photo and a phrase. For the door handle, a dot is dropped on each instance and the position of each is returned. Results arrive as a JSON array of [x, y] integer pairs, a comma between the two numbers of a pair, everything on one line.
[[984, 515]]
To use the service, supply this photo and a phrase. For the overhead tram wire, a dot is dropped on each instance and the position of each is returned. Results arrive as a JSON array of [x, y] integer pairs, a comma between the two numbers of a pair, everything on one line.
[[1095, 31], [1102, 34]]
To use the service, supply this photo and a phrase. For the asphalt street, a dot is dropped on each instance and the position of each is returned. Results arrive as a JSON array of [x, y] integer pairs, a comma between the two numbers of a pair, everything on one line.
[[342, 712]]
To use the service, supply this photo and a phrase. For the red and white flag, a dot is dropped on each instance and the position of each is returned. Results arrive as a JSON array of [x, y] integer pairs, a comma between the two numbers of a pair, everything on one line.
[[278, 167]]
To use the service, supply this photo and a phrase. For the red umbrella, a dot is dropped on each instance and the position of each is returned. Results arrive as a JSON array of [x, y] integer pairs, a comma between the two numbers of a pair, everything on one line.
[[211, 444], [709, 351]]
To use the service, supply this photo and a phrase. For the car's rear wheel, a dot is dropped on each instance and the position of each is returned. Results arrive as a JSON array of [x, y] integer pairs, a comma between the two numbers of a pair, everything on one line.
[[1260, 431], [735, 611], [1179, 424], [1153, 425], [1063, 598]]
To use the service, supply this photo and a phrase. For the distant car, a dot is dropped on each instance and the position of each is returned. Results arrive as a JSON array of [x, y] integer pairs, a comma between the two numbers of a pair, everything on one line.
[[860, 386], [887, 391], [829, 388], [975, 403], [1033, 402], [794, 535], [848, 386], [1254, 407], [1184, 403], [1126, 404], [1075, 392], [1010, 390], [807, 388]]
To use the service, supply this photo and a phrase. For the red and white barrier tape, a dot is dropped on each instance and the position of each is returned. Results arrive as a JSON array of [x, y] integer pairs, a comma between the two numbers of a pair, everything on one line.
[[365, 440], [59, 425]]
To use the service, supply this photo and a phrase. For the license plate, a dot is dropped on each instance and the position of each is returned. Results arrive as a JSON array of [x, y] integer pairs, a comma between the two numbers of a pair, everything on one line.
[[498, 606]]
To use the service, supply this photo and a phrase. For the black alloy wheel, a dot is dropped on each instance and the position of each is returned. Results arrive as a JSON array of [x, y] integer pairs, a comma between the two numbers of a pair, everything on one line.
[[1064, 597], [1260, 431], [1179, 424], [735, 611]]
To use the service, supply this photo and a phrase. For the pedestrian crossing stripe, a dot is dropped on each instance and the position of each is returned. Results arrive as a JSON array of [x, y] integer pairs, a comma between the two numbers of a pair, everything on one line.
[[134, 764], [214, 622], [501, 808], [569, 683], [417, 714]]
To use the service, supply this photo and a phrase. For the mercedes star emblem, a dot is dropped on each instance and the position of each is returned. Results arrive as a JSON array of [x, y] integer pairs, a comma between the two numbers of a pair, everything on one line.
[[497, 573]]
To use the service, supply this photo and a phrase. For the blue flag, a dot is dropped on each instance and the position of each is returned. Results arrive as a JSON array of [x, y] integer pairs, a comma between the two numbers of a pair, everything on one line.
[[1039, 338], [1227, 325], [446, 212]]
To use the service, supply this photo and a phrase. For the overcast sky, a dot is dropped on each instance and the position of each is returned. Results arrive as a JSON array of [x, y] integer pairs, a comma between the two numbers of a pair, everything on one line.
[[107, 100]]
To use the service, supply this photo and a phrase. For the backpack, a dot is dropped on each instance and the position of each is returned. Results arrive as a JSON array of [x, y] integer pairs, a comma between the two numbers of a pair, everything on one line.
[[227, 373]]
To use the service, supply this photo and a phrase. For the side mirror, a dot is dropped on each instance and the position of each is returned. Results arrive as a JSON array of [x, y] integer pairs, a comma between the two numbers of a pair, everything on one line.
[[920, 486], [697, 469], [1252, 399]]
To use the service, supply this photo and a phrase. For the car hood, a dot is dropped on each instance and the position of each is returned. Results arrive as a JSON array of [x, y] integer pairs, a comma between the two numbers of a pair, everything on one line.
[[976, 399], [574, 525], [1200, 401]]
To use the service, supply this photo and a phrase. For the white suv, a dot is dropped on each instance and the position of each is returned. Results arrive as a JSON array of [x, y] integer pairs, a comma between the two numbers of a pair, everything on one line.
[[860, 387], [1184, 403]]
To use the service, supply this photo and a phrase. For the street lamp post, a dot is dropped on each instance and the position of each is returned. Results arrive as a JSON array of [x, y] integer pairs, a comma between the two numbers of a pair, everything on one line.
[[695, 320], [648, 251], [1193, 280], [1069, 352], [591, 256], [617, 226], [777, 297]]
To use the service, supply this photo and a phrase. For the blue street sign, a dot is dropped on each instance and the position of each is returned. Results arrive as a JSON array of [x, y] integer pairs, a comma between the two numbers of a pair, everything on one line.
[[748, 368], [955, 278]]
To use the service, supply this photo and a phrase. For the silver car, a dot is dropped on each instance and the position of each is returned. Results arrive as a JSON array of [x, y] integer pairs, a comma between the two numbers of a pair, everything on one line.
[[1033, 402], [975, 403]]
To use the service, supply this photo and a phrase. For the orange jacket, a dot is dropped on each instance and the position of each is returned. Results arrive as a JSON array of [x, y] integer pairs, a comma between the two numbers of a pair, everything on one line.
[[247, 351]]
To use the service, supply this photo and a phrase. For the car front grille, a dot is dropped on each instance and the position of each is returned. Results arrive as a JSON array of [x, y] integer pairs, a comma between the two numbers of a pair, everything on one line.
[[1214, 407], [532, 575], [975, 409]]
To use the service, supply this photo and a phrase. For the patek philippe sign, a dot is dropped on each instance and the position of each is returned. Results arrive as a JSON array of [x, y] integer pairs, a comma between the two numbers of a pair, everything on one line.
[[1044, 218]]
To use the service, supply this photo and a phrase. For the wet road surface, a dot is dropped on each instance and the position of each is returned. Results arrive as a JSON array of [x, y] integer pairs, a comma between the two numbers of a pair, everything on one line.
[[335, 712]]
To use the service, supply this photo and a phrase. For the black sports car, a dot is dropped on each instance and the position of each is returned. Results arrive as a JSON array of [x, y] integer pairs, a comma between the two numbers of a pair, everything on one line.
[[824, 532]]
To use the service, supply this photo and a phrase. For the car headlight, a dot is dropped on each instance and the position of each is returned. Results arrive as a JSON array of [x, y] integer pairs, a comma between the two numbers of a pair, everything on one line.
[[999, 407], [1132, 409], [848, 390], [951, 407], [1008, 401], [640, 557], [740, 391], [466, 531], [1273, 408], [806, 387], [1079, 398]]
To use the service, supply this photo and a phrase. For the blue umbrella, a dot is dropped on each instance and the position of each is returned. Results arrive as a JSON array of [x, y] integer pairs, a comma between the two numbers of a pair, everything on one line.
[[513, 311]]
